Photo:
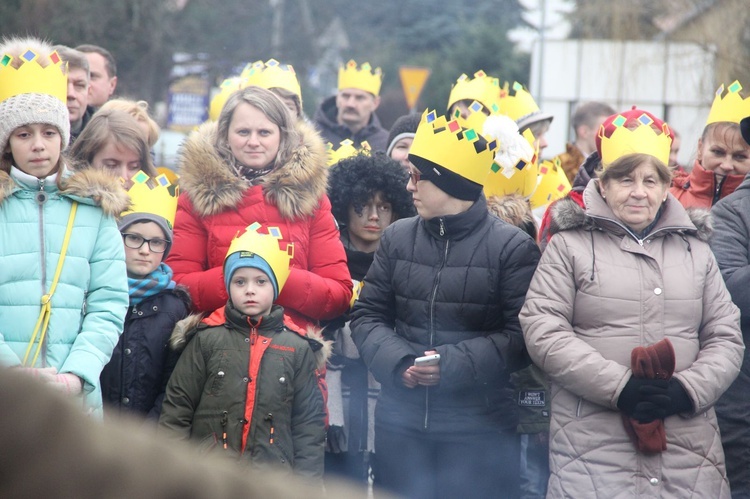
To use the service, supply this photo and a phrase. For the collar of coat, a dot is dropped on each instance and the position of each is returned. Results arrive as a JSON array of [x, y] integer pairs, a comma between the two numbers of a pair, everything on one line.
[[213, 186], [89, 186], [568, 215], [460, 225], [186, 329]]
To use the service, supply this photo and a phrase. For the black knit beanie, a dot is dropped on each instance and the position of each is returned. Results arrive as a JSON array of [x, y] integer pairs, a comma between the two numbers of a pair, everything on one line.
[[446, 180], [405, 126]]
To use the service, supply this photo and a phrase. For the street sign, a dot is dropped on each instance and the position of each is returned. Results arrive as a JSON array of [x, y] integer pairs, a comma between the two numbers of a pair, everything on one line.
[[412, 81]]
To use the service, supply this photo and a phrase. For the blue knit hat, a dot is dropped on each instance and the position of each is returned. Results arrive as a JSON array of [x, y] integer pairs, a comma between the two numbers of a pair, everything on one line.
[[249, 259]]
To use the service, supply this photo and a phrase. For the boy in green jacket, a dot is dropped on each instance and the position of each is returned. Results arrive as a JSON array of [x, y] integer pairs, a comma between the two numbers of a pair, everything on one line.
[[246, 381]]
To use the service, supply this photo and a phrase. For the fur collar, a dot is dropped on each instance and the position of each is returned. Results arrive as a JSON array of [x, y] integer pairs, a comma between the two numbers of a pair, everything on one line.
[[569, 215], [294, 188], [95, 185]]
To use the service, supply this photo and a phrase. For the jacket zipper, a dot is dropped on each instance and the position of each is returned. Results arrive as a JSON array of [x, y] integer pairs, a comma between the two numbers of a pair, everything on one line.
[[639, 241], [224, 421], [432, 321], [41, 200], [717, 190]]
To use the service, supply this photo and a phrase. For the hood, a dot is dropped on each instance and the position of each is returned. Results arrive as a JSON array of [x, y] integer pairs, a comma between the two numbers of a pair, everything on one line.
[[586, 171], [213, 186], [568, 215], [88, 186]]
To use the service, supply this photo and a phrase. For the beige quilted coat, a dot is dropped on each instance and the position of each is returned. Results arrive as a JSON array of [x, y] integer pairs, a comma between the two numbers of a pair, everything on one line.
[[599, 292]]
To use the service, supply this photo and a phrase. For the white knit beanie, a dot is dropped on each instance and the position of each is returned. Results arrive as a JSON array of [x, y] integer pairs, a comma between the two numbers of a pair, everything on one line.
[[26, 109]]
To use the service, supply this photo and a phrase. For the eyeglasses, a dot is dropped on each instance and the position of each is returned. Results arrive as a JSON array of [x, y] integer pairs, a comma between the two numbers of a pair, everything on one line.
[[415, 175], [134, 241]]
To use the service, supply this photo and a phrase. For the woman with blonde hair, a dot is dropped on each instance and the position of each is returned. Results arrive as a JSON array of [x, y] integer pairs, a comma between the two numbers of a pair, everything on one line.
[[138, 109], [114, 142]]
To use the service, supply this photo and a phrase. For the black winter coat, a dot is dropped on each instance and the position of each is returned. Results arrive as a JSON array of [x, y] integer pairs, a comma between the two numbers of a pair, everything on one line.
[[137, 374], [454, 284], [331, 131], [731, 246]]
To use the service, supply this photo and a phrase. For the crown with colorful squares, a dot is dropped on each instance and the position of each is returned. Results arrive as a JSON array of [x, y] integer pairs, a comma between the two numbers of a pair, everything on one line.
[[454, 146], [270, 247], [729, 106], [552, 184], [363, 78], [345, 150], [227, 88], [32, 78], [157, 196], [483, 88], [271, 74], [633, 131], [516, 102]]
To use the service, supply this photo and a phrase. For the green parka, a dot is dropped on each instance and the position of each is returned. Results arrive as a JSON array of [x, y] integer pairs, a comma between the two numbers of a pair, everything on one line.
[[249, 389]]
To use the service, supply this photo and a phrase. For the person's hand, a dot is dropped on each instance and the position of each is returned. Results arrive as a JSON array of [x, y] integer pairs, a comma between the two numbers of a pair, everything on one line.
[[671, 401], [408, 380], [638, 390], [425, 375], [335, 440], [68, 383]]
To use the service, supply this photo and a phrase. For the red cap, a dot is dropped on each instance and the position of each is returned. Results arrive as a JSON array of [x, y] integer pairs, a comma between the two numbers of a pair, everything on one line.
[[633, 117]]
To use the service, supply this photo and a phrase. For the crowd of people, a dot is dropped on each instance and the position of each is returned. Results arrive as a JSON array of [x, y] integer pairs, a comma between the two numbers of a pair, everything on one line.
[[431, 310]]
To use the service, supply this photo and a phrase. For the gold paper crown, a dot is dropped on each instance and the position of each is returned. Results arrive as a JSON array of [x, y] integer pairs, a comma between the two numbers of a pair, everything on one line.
[[483, 88], [730, 107], [227, 88], [268, 247], [345, 150], [32, 78], [519, 177], [363, 78], [516, 102], [158, 197], [642, 139], [552, 184], [271, 74], [453, 145]]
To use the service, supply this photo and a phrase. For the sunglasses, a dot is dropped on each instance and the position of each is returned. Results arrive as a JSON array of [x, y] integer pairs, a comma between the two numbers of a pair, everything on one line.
[[415, 175]]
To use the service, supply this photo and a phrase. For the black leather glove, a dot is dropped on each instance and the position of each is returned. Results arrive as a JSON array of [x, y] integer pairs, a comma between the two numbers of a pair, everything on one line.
[[336, 440], [672, 401], [633, 393], [645, 412]]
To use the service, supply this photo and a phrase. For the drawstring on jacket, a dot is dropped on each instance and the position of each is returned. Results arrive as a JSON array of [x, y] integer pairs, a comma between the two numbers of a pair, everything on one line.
[[593, 253], [687, 241]]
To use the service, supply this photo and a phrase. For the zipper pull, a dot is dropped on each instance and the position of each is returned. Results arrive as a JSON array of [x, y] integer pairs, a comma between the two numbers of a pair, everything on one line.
[[41, 184], [224, 421], [270, 435], [442, 227]]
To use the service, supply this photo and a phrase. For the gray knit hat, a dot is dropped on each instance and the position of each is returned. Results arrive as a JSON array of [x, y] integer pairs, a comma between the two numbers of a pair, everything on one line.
[[26, 109], [163, 224], [34, 106], [404, 127]]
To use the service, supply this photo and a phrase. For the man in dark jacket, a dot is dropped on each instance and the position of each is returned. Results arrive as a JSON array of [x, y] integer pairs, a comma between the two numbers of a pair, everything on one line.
[[350, 114], [731, 246], [449, 281]]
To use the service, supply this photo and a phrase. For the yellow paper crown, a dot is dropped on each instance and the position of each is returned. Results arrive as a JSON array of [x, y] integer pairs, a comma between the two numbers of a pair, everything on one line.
[[519, 177], [227, 88], [268, 247], [729, 107], [363, 78], [345, 150], [32, 78], [483, 88], [158, 197], [642, 139], [516, 102], [271, 74], [453, 145], [552, 184]]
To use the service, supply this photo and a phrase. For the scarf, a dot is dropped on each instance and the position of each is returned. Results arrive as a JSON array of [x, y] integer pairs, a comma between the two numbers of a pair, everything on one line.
[[151, 285]]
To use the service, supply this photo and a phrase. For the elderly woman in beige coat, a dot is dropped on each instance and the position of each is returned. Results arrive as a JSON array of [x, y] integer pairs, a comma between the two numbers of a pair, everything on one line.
[[632, 412]]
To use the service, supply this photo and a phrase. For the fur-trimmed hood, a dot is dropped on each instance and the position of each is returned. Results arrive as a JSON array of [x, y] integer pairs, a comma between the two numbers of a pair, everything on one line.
[[92, 186], [186, 329], [213, 186], [568, 215]]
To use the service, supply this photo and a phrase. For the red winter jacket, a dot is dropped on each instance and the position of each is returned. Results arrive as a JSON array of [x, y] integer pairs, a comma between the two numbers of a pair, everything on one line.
[[699, 188], [216, 204]]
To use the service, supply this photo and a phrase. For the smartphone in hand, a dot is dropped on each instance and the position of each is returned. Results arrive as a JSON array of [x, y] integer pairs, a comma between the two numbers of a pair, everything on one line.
[[427, 360]]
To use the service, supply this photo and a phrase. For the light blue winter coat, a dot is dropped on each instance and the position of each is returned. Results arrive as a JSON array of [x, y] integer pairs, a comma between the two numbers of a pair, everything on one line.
[[91, 299]]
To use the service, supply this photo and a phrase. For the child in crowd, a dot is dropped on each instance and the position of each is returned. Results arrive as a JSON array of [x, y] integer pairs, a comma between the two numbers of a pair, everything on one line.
[[246, 381], [368, 193], [136, 377], [63, 290]]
